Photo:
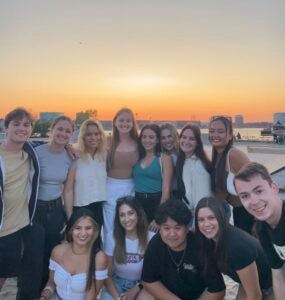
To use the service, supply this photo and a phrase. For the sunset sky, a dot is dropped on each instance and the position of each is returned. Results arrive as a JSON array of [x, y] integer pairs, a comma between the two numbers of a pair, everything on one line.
[[165, 59]]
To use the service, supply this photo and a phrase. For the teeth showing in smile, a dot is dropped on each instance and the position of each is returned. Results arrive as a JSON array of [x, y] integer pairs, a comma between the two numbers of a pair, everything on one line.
[[259, 209]]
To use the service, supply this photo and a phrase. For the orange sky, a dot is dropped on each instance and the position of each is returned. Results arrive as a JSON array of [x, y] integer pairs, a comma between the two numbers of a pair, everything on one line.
[[164, 59]]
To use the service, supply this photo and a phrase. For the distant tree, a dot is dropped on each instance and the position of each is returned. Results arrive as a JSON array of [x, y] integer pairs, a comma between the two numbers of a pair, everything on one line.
[[89, 113], [42, 128], [92, 113]]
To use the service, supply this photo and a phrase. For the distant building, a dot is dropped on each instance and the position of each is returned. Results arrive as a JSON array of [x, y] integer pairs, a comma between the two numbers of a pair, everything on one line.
[[49, 116], [239, 120], [279, 117]]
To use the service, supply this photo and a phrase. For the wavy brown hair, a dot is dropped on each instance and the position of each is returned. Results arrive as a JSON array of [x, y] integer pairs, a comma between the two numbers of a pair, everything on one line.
[[120, 233]]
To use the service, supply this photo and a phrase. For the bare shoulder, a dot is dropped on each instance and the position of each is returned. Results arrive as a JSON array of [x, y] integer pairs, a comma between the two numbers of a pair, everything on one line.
[[101, 260], [59, 251], [166, 158], [237, 159]]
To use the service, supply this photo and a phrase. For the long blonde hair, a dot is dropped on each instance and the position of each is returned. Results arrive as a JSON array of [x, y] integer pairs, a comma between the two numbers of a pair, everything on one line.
[[116, 136], [101, 151]]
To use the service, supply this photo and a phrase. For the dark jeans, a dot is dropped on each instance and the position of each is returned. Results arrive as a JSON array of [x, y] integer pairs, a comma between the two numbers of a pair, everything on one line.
[[50, 216], [149, 203], [10, 254], [29, 277]]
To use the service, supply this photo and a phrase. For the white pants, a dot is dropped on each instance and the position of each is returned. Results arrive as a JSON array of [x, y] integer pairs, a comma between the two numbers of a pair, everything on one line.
[[116, 188]]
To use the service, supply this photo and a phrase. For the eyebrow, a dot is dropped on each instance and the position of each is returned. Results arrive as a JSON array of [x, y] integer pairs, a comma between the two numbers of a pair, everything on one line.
[[254, 189]]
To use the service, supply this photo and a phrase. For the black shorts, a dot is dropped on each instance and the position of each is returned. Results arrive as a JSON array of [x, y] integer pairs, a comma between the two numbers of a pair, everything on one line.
[[10, 254]]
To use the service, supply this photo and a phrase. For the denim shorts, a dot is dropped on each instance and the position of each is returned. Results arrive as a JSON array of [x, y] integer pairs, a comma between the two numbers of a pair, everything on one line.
[[122, 286]]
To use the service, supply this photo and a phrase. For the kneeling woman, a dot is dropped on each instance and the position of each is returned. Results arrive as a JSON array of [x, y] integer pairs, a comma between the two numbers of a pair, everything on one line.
[[238, 254], [78, 267], [126, 251]]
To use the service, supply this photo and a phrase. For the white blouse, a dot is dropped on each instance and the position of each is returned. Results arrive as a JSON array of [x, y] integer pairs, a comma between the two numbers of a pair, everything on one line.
[[70, 286], [90, 181], [197, 181]]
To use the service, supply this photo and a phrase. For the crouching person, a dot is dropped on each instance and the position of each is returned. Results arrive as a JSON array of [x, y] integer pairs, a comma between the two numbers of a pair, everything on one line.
[[259, 195], [171, 267], [78, 267]]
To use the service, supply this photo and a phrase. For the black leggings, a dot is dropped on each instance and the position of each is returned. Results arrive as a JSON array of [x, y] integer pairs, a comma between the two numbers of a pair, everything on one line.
[[149, 203]]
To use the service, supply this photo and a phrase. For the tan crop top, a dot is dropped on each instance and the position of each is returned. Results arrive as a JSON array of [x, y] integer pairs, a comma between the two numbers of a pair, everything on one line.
[[123, 164]]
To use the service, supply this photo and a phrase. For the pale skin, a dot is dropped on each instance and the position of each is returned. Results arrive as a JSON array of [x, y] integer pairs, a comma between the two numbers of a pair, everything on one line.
[[74, 258], [255, 194], [124, 125], [92, 140]]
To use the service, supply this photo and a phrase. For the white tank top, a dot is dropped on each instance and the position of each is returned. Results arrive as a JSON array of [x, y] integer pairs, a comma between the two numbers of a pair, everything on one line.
[[230, 179]]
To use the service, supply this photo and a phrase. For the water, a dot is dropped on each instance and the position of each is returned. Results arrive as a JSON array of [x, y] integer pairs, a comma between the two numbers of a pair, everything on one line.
[[271, 161], [247, 134]]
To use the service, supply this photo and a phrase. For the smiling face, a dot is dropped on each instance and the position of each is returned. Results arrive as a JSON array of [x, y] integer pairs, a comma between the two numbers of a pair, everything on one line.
[[18, 131], [188, 142], [167, 140], [173, 234], [219, 136], [259, 198], [128, 218], [124, 122], [83, 232], [208, 223], [149, 139], [92, 138], [61, 133]]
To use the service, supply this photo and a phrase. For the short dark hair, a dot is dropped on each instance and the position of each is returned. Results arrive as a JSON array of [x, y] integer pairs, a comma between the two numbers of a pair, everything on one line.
[[17, 114], [253, 169], [174, 209]]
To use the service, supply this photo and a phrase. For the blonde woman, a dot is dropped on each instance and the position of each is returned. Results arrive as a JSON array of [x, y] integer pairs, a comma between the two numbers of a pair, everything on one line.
[[86, 181]]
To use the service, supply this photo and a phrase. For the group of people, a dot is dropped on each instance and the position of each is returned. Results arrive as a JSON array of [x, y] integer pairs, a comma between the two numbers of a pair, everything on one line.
[[139, 215]]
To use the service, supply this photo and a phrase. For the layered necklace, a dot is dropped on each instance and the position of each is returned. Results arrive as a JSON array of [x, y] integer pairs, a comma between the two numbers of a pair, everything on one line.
[[177, 264]]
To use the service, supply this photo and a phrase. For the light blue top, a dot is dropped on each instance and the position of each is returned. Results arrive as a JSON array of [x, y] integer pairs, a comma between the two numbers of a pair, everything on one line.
[[54, 167], [148, 179]]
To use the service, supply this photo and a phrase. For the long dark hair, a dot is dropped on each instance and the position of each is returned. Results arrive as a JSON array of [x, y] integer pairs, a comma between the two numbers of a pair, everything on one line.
[[120, 233], [199, 152], [218, 247], [155, 128], [95, 244], [218, 168]]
